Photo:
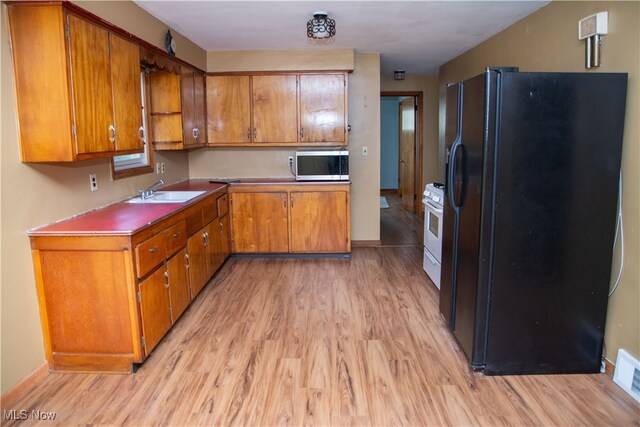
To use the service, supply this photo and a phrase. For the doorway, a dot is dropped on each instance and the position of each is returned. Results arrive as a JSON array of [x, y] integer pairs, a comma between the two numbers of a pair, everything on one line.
[[401, 168]]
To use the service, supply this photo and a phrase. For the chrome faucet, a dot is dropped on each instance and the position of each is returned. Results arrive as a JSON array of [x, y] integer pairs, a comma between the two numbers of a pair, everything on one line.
[[145, 194]]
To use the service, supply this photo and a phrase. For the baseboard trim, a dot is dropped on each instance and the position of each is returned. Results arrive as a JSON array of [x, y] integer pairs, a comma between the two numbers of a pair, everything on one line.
[[10, 397], [365, 243], [609, 367]]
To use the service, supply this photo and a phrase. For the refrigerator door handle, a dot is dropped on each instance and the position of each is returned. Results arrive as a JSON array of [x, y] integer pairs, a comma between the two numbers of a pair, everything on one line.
[[453, 171]]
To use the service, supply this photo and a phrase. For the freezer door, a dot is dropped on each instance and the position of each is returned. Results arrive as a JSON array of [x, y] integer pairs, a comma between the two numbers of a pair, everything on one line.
[[560, 145], [466, 171], [453, 117]]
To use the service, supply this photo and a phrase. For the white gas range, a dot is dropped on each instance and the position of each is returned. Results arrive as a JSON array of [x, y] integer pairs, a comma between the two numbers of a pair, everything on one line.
[[433, 199]]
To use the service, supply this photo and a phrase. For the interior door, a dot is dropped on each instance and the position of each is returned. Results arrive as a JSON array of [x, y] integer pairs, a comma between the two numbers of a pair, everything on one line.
[[406, 151]]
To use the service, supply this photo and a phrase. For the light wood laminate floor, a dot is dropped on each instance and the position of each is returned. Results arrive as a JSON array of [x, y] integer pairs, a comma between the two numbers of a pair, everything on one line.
[[398, 226], [322, 341]]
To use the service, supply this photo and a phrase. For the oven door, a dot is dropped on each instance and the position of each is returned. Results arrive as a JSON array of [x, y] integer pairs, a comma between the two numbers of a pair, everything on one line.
[[433, 229]]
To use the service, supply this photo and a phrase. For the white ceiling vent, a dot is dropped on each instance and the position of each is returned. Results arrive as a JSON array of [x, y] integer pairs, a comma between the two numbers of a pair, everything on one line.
[[627, 374]]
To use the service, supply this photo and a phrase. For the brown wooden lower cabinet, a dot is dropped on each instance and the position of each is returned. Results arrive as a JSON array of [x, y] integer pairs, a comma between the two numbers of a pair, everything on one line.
[[259, 222], [198, 264], [295, 217], [178, 275], [106, 300], [154, 308], [319, 221]]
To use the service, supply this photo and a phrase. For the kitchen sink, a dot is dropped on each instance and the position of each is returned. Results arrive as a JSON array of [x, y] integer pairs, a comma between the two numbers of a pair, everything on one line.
[[167, 197]]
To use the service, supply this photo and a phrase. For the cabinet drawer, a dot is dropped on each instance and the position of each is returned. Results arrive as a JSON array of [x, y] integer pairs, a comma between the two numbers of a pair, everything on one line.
[[150, 253], [175, 238], [223, 205], [209, 210]]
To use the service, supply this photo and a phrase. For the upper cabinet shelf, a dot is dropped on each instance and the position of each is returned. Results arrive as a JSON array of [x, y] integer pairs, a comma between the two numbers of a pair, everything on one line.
[[277, 109], [77, 85]]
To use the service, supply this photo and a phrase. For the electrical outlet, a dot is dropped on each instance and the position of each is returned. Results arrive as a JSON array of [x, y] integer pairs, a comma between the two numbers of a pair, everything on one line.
[[290, 161], [365, 151], [162, 167], [157, 168], [93, 182]]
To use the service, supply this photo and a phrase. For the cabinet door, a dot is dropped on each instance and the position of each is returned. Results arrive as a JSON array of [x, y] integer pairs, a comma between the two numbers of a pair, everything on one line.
[[91, 75], [259, 222], [127, 97], [199, 108], [213, 245], [225, 247], [198, 261], [178, 284], [275, 109], [322, 108], [188, 105], [154, 307], [228, 110], [319, 221]]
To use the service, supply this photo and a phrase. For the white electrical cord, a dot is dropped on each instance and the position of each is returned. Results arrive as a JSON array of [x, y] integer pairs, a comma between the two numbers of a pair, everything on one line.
[[619, 227]]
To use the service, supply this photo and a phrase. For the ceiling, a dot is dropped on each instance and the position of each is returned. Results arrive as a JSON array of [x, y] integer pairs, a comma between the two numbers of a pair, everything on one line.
[[415, 36]]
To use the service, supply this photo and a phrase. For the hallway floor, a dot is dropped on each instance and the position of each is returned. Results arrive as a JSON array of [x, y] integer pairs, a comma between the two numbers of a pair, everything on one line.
[[399, 227]]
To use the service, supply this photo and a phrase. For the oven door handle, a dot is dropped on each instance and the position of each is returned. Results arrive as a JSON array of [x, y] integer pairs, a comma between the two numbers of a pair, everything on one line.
[[432, 207]]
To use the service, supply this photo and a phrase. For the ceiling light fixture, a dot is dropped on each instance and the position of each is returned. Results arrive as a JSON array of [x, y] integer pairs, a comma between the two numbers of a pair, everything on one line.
[[321, 26]]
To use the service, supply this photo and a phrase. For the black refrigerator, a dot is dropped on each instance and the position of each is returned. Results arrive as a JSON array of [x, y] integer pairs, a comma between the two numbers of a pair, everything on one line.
[[532, 176]]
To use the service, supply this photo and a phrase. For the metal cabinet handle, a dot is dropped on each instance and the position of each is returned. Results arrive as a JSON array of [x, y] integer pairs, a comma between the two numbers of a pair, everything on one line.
[[221, 227], [153, 249], [301, 133], [188, 259], [292, 200], [166, 275], [255, 133], [141, 133], [249, 134], [205, 237], [176, 234], [112, 130], [196, 133], [284, 200]]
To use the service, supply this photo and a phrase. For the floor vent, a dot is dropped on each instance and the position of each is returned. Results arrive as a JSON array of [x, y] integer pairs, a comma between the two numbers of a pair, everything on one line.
[[627, 374]]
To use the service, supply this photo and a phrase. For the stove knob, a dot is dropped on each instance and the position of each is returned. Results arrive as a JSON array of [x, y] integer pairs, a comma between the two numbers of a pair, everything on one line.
[[436, 199]]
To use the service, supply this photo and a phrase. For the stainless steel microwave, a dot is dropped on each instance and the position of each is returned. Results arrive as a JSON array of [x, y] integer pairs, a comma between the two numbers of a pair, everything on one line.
[[322, 165]]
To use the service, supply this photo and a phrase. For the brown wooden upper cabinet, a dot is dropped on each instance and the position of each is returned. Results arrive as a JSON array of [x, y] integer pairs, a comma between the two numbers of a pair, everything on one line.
[[177, 109], [77, 86], [277, 109], [194, 108]]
